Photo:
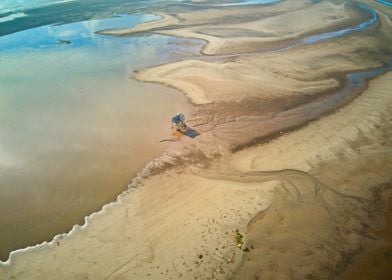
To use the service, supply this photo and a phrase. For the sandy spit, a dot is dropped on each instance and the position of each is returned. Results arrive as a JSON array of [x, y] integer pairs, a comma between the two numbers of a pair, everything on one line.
[[164, 21]]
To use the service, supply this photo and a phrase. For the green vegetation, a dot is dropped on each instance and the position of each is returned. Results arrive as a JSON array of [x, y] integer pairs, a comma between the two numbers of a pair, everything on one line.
[[238, 238]]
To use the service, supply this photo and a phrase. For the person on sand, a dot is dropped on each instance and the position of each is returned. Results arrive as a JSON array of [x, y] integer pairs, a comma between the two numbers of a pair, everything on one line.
[[178, 127], [178, 122]]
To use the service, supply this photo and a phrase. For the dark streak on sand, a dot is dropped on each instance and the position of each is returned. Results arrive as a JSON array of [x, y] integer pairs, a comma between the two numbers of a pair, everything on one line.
[[294, 118]]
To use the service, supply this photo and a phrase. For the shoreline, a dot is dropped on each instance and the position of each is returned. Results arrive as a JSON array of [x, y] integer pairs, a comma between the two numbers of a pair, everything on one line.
[[141, 27], [92, 173], [131, 192], [156, 164], [136, 181]]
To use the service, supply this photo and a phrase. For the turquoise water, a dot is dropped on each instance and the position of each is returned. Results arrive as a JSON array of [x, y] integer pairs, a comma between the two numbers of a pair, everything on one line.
[[387, 3], [19, 5]]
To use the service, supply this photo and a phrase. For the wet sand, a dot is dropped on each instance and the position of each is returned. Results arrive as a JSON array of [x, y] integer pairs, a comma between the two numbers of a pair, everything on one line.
[[297, 204], [334, 202], [376, 261]]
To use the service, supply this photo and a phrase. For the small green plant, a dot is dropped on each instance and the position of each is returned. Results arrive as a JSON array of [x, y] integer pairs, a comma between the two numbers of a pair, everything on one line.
[[238, 238]]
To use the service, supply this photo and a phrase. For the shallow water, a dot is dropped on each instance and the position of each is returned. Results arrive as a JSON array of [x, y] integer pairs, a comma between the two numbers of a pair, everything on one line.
[[246, 2], [329, 35], [74, 128], [231, 4], [387, 3]]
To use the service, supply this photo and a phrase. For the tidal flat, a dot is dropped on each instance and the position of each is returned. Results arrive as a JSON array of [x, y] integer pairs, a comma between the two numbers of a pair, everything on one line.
[[289, 176]]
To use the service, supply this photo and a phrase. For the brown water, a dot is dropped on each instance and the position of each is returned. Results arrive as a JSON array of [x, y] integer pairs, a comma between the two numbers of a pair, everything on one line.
[[75, 129]]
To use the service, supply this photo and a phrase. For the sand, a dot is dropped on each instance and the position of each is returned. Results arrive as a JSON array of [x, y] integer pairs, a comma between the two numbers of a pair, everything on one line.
[[375, 263], [183, 221], [164, 21], [299, 71], [309, 203], [257, 34]]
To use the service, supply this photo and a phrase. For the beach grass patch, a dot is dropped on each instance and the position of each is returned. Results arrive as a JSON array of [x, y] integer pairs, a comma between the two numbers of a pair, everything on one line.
[[238, 238]]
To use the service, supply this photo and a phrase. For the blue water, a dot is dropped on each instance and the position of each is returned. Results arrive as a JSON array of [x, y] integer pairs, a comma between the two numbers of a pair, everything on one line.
[[232, 4], [21, 5], [247, 2], [328, 35], [387, 3], [18, 6], [78, 34]]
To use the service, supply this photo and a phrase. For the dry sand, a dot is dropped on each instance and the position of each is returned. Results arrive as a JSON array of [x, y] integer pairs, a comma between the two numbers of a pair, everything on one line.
[[164, 21], [309, 203], [308, 70], [259, 32]]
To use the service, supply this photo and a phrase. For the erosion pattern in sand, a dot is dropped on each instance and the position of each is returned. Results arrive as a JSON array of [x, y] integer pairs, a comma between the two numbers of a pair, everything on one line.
[[308, 203]]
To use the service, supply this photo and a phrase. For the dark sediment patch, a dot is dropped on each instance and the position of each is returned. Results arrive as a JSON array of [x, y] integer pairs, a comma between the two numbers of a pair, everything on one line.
[[376, 260]]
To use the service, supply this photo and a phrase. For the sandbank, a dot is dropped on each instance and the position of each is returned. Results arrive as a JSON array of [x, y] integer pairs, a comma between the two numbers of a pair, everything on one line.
[[164, 21]]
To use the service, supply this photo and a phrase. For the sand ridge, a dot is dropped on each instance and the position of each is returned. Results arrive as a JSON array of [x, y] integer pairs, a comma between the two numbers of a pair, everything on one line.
[[260, 33], [163, 21]]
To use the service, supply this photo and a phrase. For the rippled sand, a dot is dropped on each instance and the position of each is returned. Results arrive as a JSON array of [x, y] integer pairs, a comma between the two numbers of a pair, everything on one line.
[[308, 200]]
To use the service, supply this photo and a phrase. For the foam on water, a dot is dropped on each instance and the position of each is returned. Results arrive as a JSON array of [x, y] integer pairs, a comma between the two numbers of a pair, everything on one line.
[[157, 163], [12, 17]]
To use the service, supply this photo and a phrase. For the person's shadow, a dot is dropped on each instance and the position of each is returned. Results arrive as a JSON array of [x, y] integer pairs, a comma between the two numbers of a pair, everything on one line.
[[191, 132]]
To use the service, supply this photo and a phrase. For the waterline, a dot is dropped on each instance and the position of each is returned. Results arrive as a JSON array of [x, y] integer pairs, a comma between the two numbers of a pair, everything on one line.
[[73, 123]]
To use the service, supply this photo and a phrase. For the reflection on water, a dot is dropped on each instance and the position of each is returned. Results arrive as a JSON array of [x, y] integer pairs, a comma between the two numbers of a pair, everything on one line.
[[78, 34], [74, 128]]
